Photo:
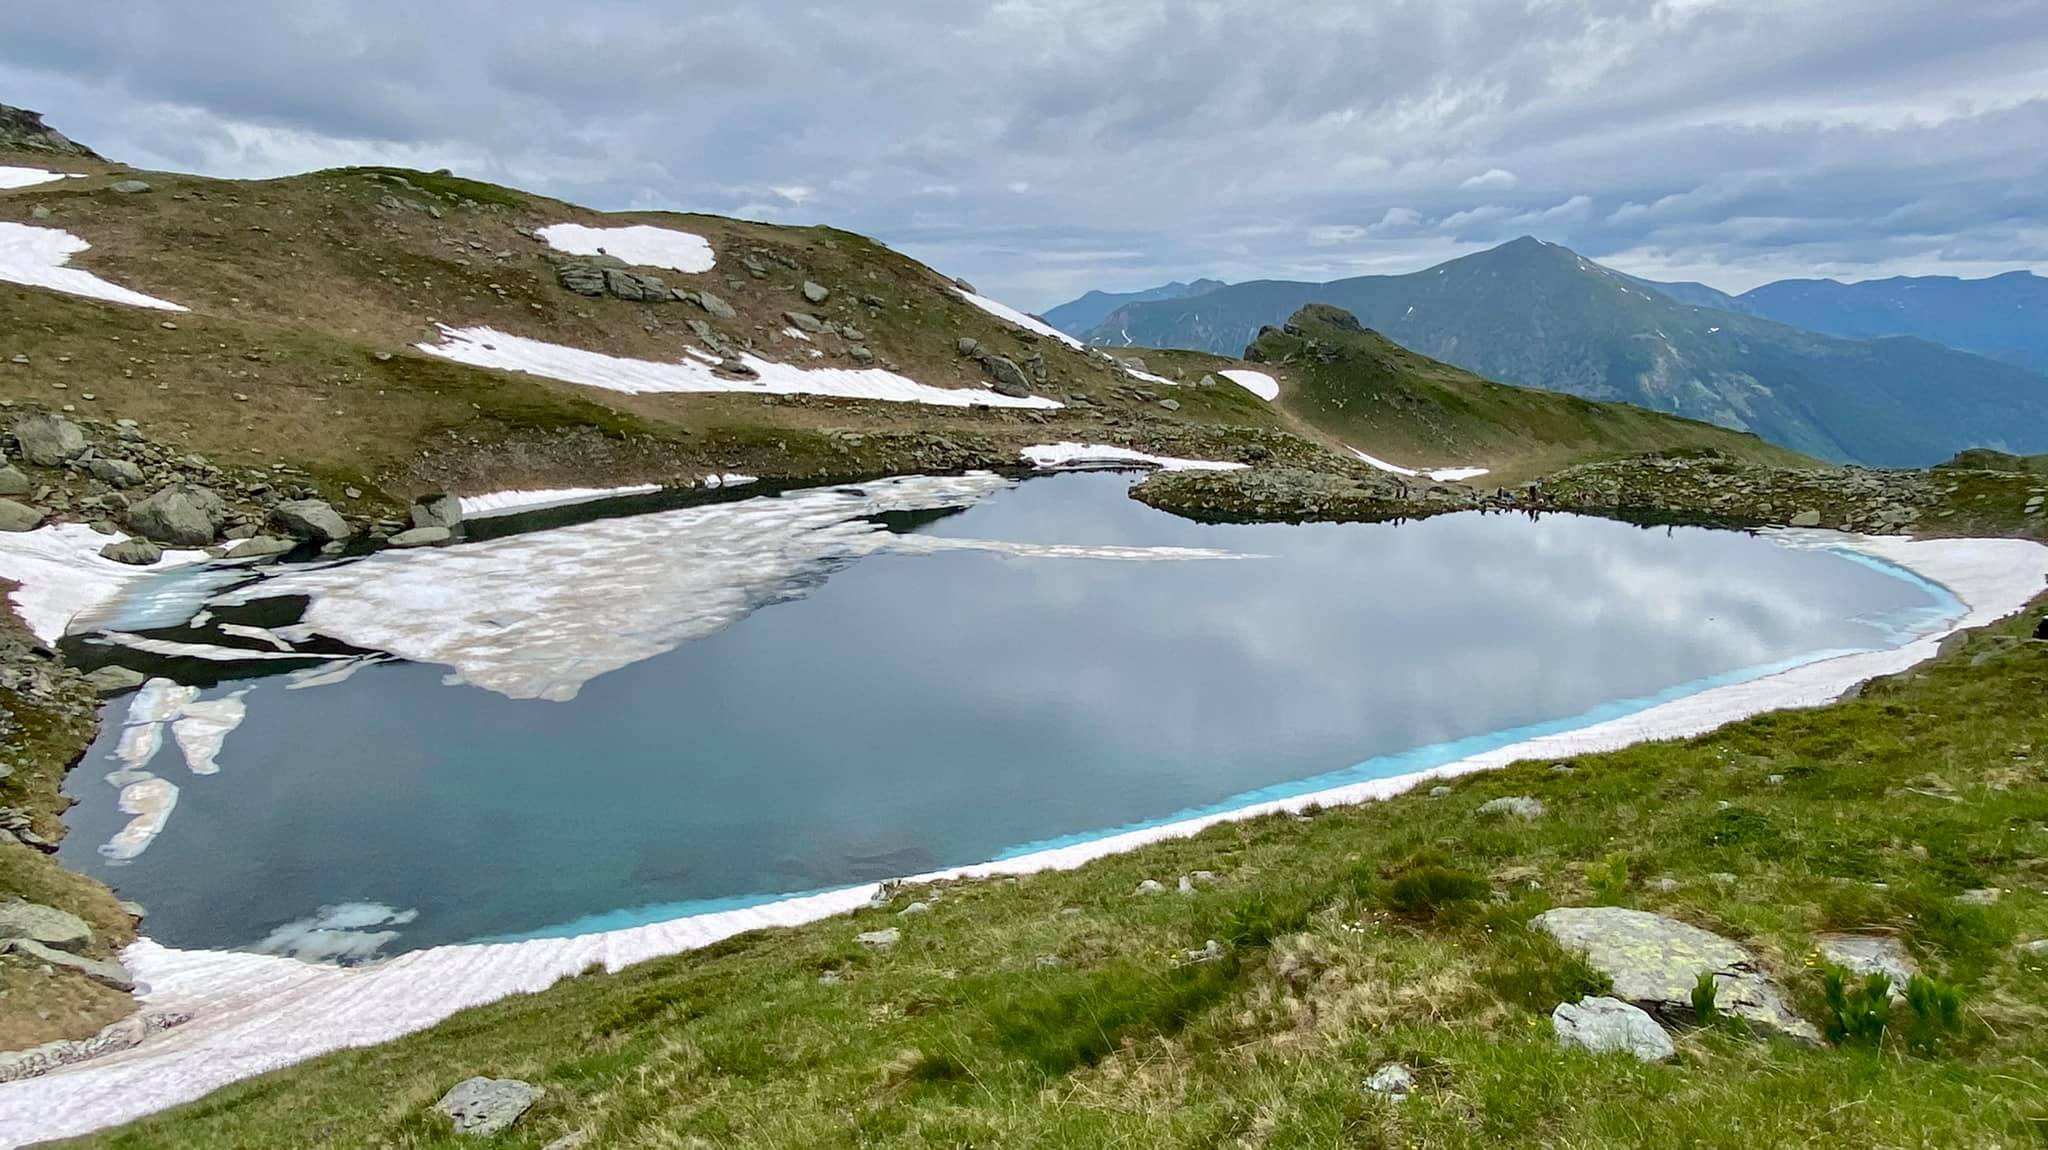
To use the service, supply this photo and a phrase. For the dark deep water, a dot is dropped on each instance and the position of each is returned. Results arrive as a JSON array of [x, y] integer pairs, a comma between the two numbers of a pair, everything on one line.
[[920, 710]]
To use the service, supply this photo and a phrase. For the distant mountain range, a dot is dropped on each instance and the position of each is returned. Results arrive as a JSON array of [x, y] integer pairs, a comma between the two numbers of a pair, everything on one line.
[[2004, 317], [1078, 316], [1539, 315]]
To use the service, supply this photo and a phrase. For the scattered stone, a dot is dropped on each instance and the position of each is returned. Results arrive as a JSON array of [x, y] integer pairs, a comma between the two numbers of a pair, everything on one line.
[[1439, 791], [49, 440], [915, 908], [1774, 780], [1394, 1080], [2037, 946], [968, 346], [879, 939], [1608, 1025], [182, 515], [481, 1107], [437, 511], [115, 472], [963, 285], [574, 1140], [129, 187], [1982, 896], [311, 519], [1150, 886], [261, 547], [715, 306], [805, 322], [104, 971], [1806, 518], [1170, 404], [816, 293], [19, 516], [12, 481], [139, 552], [1520, 806], [114, 679], [421, 537], [1009, 379], [1654, 962], [43, 924], [1212, 951], [1866, 954]]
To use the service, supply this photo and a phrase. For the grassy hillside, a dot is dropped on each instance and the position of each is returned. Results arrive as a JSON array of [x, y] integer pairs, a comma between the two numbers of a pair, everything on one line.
[[1065, 1009], [1536, 314], [1367, 391]]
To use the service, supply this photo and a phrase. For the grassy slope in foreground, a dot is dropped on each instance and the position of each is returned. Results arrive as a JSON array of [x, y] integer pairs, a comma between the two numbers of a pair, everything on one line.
[[1059, 1010], [1365, 390]]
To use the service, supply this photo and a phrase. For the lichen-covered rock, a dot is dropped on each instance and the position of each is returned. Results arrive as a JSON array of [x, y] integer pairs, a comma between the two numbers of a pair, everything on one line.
[[1520, 806], [481, 1107], [1608, 1025], [1654, 962], [1866, 954], [48, 440]]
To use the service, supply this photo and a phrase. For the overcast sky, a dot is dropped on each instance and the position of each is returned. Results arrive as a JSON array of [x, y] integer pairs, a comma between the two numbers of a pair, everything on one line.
[[1042, 147]]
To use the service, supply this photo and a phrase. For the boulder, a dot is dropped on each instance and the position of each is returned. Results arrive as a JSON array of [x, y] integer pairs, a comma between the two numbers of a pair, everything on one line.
[[112, 679], [1608, 1025], [1806, 518], [48, 440], [106, 972], [311, 519], [716, 306], [1654, 962], [1863, 955], [12, 481], [804, 321], [1009, 378], [115, 472], [44, 924], [129, 187], [421, 537], [816, 293], [581, 279], [879, 939], [139, 552], [19, 516], [481, 1107], [182, 515], [437, 511], [1520, 806], [968, 345]]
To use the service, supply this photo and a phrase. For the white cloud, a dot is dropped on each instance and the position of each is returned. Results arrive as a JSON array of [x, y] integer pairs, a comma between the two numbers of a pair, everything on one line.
[[1493, 179]]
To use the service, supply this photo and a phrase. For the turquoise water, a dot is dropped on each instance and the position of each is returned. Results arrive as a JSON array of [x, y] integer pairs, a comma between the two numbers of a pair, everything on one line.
[[904, 712]]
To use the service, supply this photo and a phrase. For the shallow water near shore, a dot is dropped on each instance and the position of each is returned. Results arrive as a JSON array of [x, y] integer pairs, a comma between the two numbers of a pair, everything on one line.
[[951, 678]]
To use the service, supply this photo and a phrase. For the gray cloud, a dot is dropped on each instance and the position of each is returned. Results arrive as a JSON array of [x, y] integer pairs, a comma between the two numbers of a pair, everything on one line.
[[1044, 146]]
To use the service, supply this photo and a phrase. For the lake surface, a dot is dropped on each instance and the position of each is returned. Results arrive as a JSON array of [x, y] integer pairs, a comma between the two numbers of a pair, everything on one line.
[[682, 710]]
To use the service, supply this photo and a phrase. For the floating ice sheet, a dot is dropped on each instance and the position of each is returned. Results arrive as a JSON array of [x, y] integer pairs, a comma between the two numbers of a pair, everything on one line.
[[1055, 455], [62, 575]]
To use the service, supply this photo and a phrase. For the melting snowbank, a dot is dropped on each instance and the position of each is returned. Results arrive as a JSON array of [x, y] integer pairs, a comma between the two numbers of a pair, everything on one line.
[[511, 502], [62, 574], [487, 347], [1257, 382], [12, 177], [254, 1013], [1441, 474], [1054, 455], [35, 257], [1015, 318], [639, 244]]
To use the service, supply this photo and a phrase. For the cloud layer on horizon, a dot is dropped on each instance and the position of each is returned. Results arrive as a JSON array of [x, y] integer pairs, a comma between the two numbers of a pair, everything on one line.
[[1041, 147]]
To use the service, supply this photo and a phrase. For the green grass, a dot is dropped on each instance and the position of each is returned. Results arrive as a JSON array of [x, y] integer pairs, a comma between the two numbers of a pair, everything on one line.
[[1064, 1010]]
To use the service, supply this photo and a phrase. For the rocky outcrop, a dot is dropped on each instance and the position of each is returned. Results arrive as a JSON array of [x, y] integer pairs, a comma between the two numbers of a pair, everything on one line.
[[481, 1107], [43, 924], [119, 1036], [104, 971], [1654, 962], [21, 128]]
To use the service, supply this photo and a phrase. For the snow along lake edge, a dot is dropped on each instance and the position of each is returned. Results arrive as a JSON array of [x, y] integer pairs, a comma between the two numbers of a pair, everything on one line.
[[255, 1013]]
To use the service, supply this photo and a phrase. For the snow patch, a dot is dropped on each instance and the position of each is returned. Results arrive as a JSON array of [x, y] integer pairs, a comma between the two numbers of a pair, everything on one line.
[[1012, 316], [12, 177], [35, 257], [63, 576], [511, 502], [1055, 455], [486, 347], [1257, 382], [1440, 474], [639, 244], [254, 1013]]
